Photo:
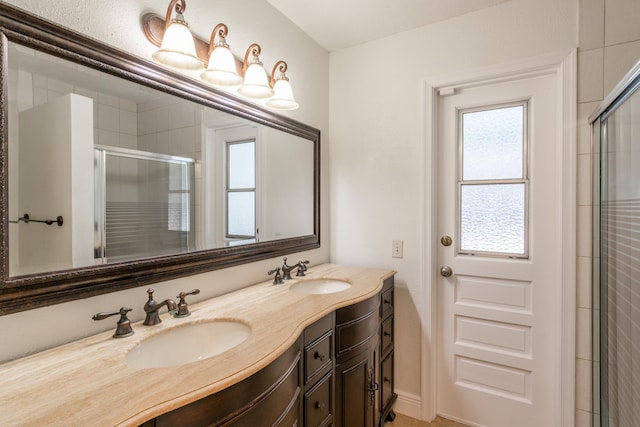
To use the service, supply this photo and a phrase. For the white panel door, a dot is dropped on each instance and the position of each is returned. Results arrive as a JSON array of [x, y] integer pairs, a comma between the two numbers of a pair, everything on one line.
[[498, 320]]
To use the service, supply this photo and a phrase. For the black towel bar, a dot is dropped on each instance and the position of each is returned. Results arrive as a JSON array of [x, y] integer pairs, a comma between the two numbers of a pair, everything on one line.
[[26, 219]]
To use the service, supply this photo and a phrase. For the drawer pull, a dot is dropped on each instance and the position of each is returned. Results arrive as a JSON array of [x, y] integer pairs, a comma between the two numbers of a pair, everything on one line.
[[319, 356], [386, 301], [387, 334], [320, 405], [387, 380]]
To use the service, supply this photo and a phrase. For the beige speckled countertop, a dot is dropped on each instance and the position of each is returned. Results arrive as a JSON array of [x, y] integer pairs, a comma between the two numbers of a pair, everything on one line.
[[88, 382]]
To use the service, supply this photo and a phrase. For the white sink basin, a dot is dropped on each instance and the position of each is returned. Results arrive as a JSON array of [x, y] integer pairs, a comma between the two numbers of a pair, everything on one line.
[[186, 344], [320, 286]]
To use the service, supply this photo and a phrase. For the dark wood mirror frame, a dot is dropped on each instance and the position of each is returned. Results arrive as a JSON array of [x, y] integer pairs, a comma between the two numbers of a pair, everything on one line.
[[38, 290]]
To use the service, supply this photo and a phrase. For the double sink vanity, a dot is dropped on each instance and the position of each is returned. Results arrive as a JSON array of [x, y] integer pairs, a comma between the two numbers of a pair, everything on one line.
[[313, 351]]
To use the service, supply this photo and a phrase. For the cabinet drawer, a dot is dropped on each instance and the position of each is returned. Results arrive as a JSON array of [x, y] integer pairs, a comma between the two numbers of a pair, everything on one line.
[[387, 303], [318, 329], [357, 311], [318, 357], [292, 417], [386, 335], [258, 400], [318, 408], [356, 333], [270, 409], [386, 380]]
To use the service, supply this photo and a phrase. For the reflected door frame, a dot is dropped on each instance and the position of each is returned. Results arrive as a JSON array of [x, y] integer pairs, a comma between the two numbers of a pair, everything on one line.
[[214, 173], [563, 65]]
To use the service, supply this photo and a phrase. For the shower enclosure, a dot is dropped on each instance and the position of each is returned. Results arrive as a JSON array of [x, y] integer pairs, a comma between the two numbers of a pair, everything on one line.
[[616, 250], [144, 204]]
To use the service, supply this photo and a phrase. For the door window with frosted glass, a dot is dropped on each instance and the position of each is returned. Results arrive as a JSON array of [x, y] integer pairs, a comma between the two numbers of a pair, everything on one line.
[[492, 181]]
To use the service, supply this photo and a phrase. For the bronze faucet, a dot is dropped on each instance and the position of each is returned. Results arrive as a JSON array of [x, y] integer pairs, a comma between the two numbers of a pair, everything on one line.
[[123, 328], [183, 308], [302, 268], [277, 279], [286, 270], [152, 308]]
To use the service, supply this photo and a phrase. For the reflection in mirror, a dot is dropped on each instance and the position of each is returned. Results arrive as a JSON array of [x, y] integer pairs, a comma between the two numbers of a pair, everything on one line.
[[139, 173]]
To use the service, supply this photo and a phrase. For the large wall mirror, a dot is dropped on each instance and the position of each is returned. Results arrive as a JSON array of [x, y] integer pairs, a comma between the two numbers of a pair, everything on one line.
[[117, 172]]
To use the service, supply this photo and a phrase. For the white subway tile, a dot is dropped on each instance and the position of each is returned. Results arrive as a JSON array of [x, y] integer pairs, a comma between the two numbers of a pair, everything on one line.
[[584, 285], [591, 24], [128, 122], [590, 75], [621, 18], [618, 60], [108, 118]]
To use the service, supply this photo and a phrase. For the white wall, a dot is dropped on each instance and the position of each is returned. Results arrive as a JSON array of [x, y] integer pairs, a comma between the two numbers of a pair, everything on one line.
[[60, 130], [286, 186], [376, 157], [117, 24]]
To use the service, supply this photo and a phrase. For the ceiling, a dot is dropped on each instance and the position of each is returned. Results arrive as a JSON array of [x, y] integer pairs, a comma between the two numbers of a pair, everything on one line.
[[337, 24]]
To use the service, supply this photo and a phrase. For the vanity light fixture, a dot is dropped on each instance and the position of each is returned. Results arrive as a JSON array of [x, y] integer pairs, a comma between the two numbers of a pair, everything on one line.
[[178, 48], [283, 94], [221, 69], [256, 83]]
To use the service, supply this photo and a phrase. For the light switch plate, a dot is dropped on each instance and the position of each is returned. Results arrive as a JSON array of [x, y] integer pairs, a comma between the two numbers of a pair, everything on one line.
[[396, 248]]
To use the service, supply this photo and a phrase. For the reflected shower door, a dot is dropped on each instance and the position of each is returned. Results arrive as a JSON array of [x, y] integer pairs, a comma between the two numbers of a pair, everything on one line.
[[145, 205]]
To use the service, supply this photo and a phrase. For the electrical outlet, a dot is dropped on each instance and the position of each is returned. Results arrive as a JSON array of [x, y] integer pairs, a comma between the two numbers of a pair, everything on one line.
[[396, 248]]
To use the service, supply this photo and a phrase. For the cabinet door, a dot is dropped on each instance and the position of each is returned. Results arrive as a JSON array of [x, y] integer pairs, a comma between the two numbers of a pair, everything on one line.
[[386, 382], [318, 405], [355, 393]]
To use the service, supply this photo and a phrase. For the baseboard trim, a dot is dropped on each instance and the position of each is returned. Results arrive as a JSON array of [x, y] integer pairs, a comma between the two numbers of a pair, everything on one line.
[[408, 404]]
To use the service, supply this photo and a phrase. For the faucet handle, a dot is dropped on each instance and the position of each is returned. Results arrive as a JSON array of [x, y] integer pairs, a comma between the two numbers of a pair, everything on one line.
[[277, 279], [123, 328], [302, 268], [183, 308]]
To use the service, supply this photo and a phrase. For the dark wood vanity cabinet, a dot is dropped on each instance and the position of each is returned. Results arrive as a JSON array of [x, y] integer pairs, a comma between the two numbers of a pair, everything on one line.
[[356, 374], [338, 373], [270, 397], [318, 363], [386, 384], [364, 361]]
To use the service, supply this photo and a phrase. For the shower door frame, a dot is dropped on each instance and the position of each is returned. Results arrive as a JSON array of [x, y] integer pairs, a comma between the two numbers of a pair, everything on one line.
[[627, 87], [100, 215]]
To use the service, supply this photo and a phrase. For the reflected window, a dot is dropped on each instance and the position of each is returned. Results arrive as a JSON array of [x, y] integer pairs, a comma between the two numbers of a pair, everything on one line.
[[493, 184], [241, 190]]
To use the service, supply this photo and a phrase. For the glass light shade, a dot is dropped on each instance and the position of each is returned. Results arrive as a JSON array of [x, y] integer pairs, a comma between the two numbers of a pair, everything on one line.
[[283, 96], [178, 49], [256, 83], [222, 68]]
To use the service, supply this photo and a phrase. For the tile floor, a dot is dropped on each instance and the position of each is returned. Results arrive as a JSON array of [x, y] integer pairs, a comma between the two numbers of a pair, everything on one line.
[[404, 421]]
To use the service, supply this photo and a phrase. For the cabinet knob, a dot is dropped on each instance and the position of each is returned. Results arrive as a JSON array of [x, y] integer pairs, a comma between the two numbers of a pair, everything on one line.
[[387, 380], [320, 405], [319, 356], [387, 333]]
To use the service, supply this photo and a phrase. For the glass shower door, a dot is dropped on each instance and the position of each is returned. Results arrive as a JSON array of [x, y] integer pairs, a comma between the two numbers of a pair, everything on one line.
[[617, 253], [144, 204]]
